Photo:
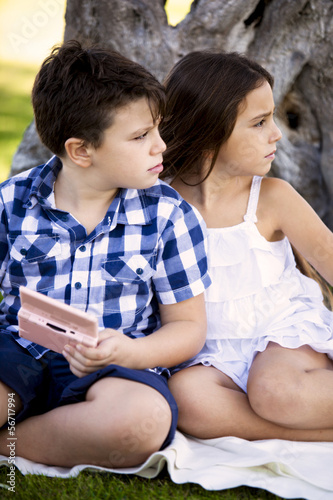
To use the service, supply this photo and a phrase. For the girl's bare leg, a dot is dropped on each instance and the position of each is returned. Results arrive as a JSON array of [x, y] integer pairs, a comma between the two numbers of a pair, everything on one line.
[[292, 387], [211, 405]]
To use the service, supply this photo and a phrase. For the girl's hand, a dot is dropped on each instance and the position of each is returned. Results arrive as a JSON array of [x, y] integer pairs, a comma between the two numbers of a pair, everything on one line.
[[113, 348]]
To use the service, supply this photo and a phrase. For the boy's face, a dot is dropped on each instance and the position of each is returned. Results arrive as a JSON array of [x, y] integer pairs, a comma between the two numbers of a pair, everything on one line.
[[131, 153]]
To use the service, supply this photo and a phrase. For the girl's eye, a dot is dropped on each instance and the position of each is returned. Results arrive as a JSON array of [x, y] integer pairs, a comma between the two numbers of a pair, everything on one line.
[[141, 136], [260, 124]]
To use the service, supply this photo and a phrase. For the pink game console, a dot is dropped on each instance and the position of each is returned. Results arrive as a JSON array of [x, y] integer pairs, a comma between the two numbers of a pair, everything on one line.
[[53, 324]]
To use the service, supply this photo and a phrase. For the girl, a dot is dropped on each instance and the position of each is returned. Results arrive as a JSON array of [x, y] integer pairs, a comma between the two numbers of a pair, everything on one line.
[[266, 369]]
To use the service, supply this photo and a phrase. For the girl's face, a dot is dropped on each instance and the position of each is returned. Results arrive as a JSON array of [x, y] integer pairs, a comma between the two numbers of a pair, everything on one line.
[[251, 147]]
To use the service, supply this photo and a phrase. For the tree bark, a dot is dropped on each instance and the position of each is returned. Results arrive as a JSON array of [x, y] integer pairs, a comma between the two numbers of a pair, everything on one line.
[[291, 38]]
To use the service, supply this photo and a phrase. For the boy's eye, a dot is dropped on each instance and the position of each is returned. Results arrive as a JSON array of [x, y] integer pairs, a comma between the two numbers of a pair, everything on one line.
[[142, 136]]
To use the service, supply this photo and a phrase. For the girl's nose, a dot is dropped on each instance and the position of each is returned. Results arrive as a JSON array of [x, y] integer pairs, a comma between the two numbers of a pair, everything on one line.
[[277, 134]]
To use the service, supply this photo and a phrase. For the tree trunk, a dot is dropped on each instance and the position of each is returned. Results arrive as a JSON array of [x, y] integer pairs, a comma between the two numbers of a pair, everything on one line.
[[291, 38]]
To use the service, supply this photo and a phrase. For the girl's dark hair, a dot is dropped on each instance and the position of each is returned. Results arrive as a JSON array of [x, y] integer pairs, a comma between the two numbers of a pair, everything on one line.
[[204, 91], [77, 91], [305, 267]]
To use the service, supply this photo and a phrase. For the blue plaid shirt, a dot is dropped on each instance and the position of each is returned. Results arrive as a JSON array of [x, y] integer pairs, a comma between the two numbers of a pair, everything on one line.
[[148, 249]]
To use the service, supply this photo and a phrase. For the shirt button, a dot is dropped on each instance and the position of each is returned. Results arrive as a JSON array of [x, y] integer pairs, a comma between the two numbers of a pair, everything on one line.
[[83, 248], [64, 218], [77, 285], [139, 271], [23, 251]]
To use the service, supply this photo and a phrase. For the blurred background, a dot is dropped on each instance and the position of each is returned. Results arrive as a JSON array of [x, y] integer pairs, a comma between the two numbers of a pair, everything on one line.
[[28, 31]]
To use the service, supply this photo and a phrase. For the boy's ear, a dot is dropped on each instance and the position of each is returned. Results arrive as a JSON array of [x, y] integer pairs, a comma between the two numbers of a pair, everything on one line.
[[78, 152]]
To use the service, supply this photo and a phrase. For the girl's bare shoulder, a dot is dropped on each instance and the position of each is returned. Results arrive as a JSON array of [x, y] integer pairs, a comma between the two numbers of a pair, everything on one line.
[[278, 193], [277, 199], [273, 186]]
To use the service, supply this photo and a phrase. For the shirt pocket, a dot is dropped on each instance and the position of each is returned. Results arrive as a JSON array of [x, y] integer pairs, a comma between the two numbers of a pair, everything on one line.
[[33, 257], [128, 286], [131, 270]]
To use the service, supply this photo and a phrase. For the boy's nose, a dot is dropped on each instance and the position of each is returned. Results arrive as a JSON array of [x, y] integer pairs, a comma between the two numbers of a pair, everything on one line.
[[163, 146], [159, 146]]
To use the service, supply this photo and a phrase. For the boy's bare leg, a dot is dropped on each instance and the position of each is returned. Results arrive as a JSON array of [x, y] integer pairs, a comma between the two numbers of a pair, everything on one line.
[[119, 425], [5, 393], [211, 405]]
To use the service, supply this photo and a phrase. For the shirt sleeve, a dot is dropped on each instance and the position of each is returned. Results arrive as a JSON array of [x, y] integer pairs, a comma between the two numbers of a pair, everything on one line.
[[182, 269], [3, 241]]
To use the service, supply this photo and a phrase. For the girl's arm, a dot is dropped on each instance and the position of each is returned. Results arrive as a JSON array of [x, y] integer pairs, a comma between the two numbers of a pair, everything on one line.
[[296, 219]]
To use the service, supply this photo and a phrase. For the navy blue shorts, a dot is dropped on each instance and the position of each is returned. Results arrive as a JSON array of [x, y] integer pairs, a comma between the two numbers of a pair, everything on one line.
[[46, 383]]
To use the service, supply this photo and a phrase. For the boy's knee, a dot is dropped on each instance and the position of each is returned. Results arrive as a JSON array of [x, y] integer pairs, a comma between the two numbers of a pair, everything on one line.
[[135, 425], [10, 404], [138, 431], [152, 418]]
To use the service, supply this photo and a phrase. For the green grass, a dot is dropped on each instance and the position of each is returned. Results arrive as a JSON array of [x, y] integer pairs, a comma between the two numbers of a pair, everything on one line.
[[16, 111], [90, 486]]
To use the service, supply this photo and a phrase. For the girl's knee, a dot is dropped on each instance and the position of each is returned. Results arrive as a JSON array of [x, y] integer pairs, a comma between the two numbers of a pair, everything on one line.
[[192, 388], [275, 398], [183, 385]]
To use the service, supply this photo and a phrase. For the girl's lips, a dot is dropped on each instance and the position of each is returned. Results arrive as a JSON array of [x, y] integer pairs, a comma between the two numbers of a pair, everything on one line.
[[271, 156], [157, 169]]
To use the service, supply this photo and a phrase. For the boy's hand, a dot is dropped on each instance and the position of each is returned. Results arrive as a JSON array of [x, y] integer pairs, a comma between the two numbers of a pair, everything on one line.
[[181, 336], [113, 348]]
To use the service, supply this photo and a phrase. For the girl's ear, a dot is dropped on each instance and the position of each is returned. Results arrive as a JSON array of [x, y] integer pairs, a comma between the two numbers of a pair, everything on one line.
[[78, 152], [208, 154]]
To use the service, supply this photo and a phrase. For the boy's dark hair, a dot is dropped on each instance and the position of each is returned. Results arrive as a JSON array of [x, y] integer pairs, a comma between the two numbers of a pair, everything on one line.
[[77, 91], [204, 91]]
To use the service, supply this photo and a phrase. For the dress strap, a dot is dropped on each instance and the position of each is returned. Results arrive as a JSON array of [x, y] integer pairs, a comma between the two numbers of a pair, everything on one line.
[[253, 200]]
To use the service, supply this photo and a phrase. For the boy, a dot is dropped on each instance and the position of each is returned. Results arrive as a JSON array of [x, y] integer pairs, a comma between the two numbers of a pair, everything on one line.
[[96, 229]]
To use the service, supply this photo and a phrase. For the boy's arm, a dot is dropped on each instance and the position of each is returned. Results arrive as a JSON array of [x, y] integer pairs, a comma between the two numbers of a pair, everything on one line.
[[181, 336], [3, 241]]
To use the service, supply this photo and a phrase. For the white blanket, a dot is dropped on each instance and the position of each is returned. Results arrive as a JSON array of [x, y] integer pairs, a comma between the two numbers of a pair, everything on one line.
[[285, 468]]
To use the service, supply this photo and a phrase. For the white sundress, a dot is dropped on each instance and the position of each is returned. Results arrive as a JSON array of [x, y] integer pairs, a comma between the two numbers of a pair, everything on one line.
[[257, 296]]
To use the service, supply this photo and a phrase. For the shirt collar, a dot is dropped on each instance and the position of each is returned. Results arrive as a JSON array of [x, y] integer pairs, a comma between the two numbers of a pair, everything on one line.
[[42, 186], [129, 207]]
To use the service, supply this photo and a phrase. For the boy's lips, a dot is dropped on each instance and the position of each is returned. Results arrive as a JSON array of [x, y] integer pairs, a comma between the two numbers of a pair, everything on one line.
[[157, 169], [271, 155]]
